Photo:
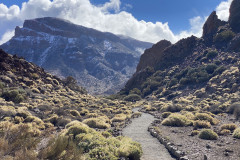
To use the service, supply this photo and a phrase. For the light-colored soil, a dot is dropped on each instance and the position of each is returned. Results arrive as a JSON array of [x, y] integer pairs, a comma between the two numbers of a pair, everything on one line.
[[138, 131]]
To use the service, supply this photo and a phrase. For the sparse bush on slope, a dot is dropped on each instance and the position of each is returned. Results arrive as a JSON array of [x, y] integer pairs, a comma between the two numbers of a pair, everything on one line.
[[208, 134]]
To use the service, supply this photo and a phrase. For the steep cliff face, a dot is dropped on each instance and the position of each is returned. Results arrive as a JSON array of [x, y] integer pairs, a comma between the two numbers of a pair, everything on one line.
[[101, 62]]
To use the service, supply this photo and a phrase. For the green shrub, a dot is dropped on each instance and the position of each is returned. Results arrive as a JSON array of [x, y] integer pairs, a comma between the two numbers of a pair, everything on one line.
[[132, 98], [101, 153], [16, 95], [184, 81], [77, 129], [236, 133], [176, 120], [208, 134], [210, 68], [154, 85], [211, 54], [135, 91], [146, 91], [172, 108], [224, 36], [201, 124], [173, 82]]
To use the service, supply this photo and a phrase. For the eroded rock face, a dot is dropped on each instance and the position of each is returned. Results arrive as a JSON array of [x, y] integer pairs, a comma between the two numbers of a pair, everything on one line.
[[211, 26], [234, 18], [101, 62], [150, 56]]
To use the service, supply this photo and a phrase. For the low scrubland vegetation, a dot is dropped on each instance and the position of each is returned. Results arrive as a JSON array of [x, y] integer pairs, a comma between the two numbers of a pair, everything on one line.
[[44, 117]]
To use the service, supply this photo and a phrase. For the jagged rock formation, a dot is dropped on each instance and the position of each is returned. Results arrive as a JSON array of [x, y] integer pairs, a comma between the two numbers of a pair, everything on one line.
[[210, 27], [101, 62]]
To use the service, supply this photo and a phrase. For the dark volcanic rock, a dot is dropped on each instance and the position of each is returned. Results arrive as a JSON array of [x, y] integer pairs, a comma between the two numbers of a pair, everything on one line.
[[234, 45], [168, 57], [210, 27], [150, 56], [234, 18], [101, 62]]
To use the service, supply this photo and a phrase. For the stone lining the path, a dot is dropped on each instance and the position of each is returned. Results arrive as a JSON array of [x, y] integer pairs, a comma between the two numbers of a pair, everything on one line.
[[173, 150]]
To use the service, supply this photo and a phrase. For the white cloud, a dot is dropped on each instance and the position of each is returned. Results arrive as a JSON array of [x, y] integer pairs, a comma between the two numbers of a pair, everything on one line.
[[106, 17], [6, 36], [196, 27], [223, 10]]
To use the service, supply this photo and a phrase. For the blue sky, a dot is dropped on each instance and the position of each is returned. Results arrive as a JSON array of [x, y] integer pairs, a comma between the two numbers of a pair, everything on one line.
[[176, 12], [150, 20]]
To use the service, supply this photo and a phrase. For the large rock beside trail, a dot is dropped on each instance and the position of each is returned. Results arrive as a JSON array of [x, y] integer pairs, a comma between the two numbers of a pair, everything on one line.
[[234, 18]]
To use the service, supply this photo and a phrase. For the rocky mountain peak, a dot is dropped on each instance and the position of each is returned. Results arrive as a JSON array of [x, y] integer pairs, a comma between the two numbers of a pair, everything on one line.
[[211, 26], [234, 18], [101, 62], [150, 55]]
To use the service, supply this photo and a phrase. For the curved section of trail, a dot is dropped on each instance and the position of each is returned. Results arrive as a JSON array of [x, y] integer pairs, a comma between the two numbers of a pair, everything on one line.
[[138, 131]]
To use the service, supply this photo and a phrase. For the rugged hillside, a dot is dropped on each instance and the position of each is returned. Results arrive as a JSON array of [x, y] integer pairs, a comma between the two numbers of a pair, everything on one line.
[[193, 88], [190, 63], [101, 62], [44, 117]]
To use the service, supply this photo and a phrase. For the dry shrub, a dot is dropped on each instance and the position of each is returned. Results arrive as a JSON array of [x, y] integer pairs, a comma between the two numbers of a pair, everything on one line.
[[236, 133], [96, 123], [201, 124], [206, 117], [225, 132], [230, 127], [119, 118], [176, 120], [208, 134]]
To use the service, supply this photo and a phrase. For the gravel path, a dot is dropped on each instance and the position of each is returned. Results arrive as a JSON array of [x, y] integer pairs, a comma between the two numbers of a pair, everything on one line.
[[152, 148]]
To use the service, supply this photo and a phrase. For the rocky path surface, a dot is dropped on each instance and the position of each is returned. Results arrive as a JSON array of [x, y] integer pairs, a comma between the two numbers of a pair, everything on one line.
[[138, 131]]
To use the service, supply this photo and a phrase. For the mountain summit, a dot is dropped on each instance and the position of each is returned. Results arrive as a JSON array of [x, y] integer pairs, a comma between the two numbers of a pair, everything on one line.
[[101, 62]]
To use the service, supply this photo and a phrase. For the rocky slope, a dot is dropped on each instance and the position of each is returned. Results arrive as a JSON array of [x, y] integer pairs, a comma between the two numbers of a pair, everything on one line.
[[192, 87], [101, 62], [170, 67]]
